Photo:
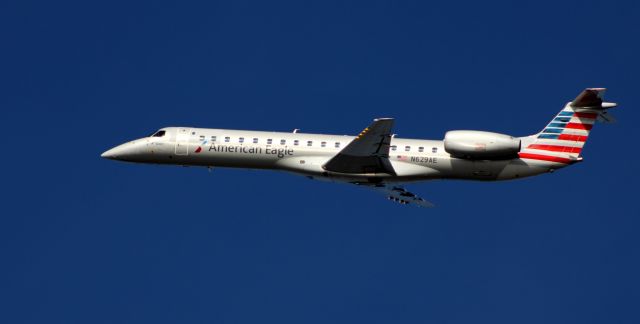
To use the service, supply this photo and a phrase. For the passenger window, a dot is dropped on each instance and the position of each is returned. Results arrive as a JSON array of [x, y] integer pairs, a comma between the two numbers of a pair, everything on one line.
[[255, 140], [434, 150], [323, 144], [309, 143], [241, 140], [202, 137], [269, 141], [296, 142], [337, 144], [213, 138], [193, 133], [393, 147], [227, 139], [283, 142], [421, 149], [407, 148]]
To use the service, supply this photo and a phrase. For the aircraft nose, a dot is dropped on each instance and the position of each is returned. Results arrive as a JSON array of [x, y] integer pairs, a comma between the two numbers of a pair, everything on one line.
[[111, 154], [134, 151], [122, 152]]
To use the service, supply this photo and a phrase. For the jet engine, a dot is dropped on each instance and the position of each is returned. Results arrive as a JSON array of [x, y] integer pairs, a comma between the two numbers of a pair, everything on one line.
[[478, 145]]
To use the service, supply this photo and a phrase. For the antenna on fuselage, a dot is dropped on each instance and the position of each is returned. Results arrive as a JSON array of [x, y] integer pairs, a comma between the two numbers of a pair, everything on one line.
[[296, 130]]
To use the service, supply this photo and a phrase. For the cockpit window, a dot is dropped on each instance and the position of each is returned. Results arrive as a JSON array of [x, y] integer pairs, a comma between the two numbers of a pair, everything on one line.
[[158, 134]]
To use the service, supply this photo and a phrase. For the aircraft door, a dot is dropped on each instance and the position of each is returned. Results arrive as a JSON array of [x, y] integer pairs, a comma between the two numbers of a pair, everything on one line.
[[182, 141]]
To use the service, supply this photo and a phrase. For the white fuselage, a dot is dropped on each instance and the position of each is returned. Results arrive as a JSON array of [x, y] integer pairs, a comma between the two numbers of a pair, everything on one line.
[[305, 154]]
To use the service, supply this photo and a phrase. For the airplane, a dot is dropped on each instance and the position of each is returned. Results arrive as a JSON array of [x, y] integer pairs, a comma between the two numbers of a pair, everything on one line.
[[375, 158]]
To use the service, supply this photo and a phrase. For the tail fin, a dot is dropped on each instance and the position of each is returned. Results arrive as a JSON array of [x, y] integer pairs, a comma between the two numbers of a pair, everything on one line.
[[564, 137]]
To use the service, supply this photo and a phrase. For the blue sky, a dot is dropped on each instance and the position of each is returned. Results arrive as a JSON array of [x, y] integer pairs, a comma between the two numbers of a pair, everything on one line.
[[87, 240]]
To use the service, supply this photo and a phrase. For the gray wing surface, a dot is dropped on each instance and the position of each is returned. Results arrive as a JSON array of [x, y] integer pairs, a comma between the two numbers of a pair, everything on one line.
[[367, 153]]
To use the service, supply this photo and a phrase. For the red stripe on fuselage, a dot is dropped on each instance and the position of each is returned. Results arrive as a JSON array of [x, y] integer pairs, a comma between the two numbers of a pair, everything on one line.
[[585, 115], [555, 148], [543, 157], [579, 126], [569, 137]]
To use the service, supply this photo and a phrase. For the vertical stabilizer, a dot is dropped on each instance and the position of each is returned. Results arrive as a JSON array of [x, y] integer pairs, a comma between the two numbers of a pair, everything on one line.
[[562, 140]]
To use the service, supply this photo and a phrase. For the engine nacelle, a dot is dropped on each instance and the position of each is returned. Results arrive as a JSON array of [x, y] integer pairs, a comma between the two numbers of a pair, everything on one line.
[[478, 145]]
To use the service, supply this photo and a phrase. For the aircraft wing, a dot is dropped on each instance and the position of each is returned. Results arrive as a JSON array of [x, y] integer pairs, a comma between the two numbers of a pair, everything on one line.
[[399, 194], [367, 153]]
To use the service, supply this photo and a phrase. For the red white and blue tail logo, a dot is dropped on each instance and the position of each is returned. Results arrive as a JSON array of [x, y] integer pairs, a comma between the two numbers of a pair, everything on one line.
[[563, 138]]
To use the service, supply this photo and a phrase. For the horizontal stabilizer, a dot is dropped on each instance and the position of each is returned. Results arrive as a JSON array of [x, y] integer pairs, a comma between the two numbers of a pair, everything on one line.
[[592, 98], [605, 117]]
